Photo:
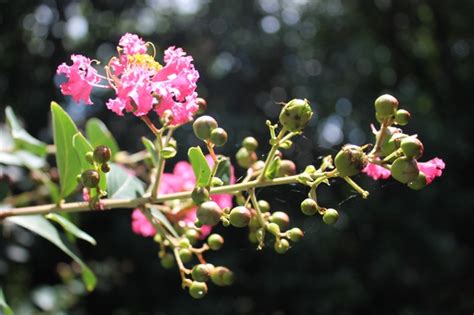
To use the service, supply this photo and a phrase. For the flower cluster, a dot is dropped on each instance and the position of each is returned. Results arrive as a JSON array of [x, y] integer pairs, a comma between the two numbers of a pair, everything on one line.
[[140, 83]]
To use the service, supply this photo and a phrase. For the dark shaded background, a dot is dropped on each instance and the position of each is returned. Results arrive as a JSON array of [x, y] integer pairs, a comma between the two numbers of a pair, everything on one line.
[[399, 252]]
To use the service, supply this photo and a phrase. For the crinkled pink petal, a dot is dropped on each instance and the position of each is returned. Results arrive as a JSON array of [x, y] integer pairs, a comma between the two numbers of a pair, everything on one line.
[[140, 224], [81, 78], [376, 171], [432, 168], [132, 44], [117, 105]]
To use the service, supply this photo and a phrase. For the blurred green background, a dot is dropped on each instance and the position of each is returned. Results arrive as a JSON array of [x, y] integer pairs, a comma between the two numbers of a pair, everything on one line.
[[399, 252]]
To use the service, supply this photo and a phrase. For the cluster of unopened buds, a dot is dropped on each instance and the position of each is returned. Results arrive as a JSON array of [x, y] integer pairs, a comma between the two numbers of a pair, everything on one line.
[[180, 209]]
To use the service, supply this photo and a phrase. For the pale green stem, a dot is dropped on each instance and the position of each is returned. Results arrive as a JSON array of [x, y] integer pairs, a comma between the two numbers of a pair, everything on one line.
[[271, 154]]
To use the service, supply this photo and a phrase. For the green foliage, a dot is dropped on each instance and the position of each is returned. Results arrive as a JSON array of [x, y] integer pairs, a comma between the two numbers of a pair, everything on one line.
[[98, 134], [3, 303], [158, 215], [200, 167], [224, 171], [122, 184], [151, 149], [71, 227]]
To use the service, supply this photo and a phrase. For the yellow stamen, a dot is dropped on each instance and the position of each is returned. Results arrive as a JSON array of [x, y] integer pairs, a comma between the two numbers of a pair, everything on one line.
[[144, 60]]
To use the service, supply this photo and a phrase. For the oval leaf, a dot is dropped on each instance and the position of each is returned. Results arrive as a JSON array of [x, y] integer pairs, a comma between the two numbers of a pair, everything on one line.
[[151, 149], [200, 167], [122, 184], [98, 134], [71, 227]]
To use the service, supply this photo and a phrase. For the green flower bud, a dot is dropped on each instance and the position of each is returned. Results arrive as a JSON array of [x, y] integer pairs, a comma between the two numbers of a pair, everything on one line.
[[282, 246], [184, 243], [250, 143], [295, 114], [295, 234], [102, 154], [393, 143], [90, 157], [254, 223], [240, 216], [285, 145], [203, 127], [222, 276], [200, 195], [192, 235], [309, 206], [412, 147], [386, 106], [404, 170], [209, 213], [419, 183], [280, 218], [167, 261], [273, 228], [263, 205], [219, 137], [198, 290], [157, 238], [168, 152], [105, 167], [90, 178], [253, 237], [172, 143], [79, 179], [201, 273], [350, 160], [216, 182], [215, 241], [245, 158], [330, 216], [202, 105], [185, 254], [286, 168], [402, 117]]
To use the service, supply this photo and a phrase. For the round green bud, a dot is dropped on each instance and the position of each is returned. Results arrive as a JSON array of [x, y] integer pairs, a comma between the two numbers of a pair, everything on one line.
[[285, 145], [245, 158], [253, 237], [286, 168], [79, 179], [295, 234], [185, 254], [412, 147], [254, 223], [172, 143], [90, 157], [273, 228], [105, 167], [350, 160], [219, 137], [280, 218], [240, 216], [203, 126], [90, 178], [250, 143], [392, 144], [221, 276], [296, 114], [404, 170], [330, 216], [198, 290], [263, 205], [386, 106], [202, 105], [379, 118], [309, 206], [402, 117], [102, 154], [168, 152], [216, 182], [209, 213], [215, 241], [201, 273], [419, 183], [167, 261], [258, 166], [184, 243], [282, 246], [200, 195], [157, 238], [192, 235]]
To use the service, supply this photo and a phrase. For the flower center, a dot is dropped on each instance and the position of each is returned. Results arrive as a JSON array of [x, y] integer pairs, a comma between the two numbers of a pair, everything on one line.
[[144, 60]]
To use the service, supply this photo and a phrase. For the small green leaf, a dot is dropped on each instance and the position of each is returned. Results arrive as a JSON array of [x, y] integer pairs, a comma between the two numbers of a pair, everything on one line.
[[200, 167], [68, 163], [224, 170], [98, 133], [168, 152], [39, 225], [82, 146], [122, 184], [151, 149], [23, 140], [71, 227], [158, 215], [273, 168], [3, 303]]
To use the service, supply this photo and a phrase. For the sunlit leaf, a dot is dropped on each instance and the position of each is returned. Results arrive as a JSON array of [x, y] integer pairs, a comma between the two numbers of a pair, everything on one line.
[[224, 170], [122, 183], [151, 149], [71, 227], [200, 167], [3, 303], [158, 215], [98, 134]]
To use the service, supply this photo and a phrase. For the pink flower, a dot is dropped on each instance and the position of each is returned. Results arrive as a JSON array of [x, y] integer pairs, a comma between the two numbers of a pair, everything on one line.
[[182, 179], [132, 44], [432, 169], [81, 78], [376, 171]]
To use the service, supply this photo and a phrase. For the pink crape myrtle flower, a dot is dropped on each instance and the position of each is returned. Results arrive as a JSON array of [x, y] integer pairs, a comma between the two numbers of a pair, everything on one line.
[[376, 171], [432, 169], [81, 78], [132, 44], [182, 179]]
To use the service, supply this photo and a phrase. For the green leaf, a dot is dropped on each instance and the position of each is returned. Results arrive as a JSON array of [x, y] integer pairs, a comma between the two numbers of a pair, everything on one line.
[[39, 225], [98, 133], [22, 158], [122, 184], [82, 146], [224, 170], [151, 149], [68, 163], [200, 167], [3, 303], [273, 168], [71, 227], [23, 140], [158, 215]]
